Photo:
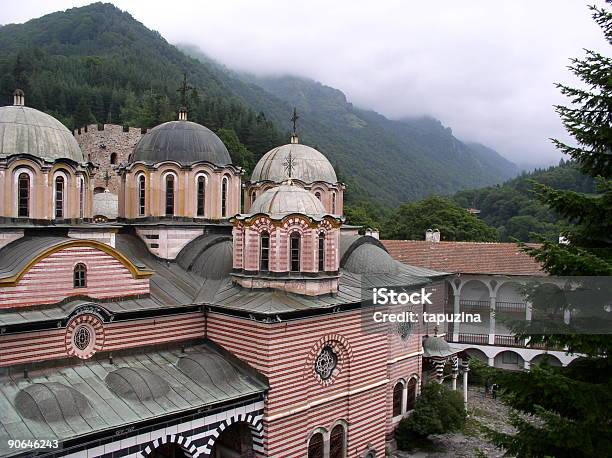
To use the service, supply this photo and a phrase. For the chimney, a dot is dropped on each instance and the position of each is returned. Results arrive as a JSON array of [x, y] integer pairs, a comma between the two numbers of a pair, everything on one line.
[[372, 233], [432, 235], [18, 98]]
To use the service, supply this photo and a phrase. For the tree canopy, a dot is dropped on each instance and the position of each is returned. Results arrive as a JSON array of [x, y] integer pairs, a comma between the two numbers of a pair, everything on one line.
[[411, 221], [570, 407]]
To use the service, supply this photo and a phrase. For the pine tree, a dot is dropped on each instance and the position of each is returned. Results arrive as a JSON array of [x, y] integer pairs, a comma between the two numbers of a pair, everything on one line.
[[571, 406]]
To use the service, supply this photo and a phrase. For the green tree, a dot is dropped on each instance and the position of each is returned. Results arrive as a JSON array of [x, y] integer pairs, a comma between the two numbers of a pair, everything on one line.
[[572, 405], [83, 115], [241, 156], [411, 221], [438, 410]]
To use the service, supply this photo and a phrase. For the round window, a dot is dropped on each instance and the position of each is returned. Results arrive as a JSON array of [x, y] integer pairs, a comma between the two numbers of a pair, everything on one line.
[[326, 363], [82, 337]]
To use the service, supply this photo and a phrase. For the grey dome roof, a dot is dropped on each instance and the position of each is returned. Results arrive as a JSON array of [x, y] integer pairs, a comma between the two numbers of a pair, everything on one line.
[[137, 384], [208, 369], [25, 130], [309, 165], [51, 402], [371, 259], [184, 142], [286, 199], [215, 261], [434, 346]]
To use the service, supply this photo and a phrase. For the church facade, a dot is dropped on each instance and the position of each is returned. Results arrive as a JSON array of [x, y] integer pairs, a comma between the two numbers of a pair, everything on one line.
[[215, 317]]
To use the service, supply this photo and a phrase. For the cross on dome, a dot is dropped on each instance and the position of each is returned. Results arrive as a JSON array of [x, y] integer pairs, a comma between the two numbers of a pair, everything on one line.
[[183, 88], [294, 118], [289, 164]]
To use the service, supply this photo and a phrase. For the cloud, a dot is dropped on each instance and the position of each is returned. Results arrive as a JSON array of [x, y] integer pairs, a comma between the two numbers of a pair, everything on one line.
[[486, 69]]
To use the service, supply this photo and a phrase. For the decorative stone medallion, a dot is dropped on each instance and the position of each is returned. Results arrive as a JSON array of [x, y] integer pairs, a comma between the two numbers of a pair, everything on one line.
[[326, 363], [84, 336]]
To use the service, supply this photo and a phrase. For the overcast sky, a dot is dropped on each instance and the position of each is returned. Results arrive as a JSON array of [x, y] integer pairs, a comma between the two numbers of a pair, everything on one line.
[[484, 68]]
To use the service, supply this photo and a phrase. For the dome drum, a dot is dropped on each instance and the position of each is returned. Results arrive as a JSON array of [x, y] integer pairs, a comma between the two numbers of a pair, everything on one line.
[[179, 169], [287, 242], [45, 174]]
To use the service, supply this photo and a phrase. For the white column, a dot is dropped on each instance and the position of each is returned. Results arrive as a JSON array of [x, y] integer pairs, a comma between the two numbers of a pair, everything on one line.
[[566, 316], [455, 372], [528, 311], [492, 320], [526, 364], [466, 368], [492, 361], [456, 311]]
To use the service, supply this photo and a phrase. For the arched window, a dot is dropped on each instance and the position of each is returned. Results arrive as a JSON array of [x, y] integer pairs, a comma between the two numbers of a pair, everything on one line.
[[264, 252], [333, 209], [398, 391], [79, 276], [169, 195], [113, 158], [81, 197], [253, 197], [224, 197], [321, 251], [23, 195], [142, 194], [294, 241], [336, 442], [59, 197], [318, 195], [315, 446], [411, 394], [201, 195]]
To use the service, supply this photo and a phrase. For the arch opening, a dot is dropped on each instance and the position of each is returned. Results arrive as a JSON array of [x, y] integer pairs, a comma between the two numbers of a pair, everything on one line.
[[236, 441], [169, 450]]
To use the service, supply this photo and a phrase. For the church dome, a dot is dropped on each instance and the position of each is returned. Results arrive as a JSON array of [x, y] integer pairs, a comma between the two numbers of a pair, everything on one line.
[[286, 199], [309, 165], [371, 259], [25, 130], [184, 142]]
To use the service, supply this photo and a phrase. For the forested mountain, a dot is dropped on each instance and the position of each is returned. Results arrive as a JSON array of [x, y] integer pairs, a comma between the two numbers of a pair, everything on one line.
[[396, 160], [514, 210], [97, 63]]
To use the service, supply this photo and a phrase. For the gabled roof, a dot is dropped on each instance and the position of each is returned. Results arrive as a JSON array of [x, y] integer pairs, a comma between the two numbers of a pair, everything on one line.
[[465, 257], [17, 257]]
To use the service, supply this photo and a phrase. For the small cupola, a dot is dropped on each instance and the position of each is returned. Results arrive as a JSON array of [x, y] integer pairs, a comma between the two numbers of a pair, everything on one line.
[[18, 98], [182, 114], [287, 242]]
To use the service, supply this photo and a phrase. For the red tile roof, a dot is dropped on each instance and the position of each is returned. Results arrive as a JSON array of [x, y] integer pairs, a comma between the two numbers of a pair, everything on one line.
[[464, 257]]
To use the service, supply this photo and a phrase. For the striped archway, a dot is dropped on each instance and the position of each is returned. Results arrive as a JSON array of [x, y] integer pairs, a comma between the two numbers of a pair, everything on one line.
[[255, 425], [183, 442]]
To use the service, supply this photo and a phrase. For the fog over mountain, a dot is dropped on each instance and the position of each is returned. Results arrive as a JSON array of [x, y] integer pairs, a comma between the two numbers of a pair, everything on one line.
[[486, 69]]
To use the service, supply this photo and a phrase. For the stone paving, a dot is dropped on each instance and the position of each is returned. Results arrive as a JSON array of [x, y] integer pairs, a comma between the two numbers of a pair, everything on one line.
[[472, 442]]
